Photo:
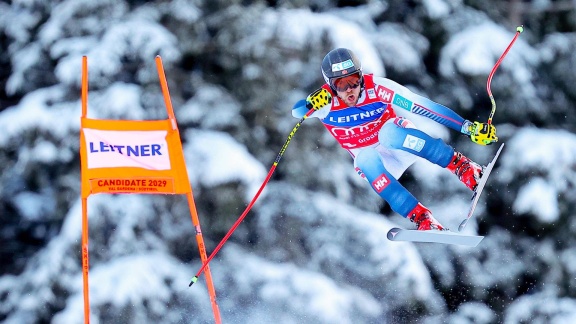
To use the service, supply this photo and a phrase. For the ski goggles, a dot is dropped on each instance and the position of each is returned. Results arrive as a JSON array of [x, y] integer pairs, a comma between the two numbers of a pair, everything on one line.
[[347, 82]]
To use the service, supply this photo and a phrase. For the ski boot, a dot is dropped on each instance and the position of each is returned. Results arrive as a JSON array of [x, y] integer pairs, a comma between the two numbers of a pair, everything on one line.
[[422, 217], [467, 171]]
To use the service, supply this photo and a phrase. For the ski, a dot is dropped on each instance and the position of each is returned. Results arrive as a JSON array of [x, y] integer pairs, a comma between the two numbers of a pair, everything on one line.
[[433, 236], [480, 188]]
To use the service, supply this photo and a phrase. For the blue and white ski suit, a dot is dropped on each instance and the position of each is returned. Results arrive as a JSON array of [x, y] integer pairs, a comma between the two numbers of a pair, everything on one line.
[[383, 145]]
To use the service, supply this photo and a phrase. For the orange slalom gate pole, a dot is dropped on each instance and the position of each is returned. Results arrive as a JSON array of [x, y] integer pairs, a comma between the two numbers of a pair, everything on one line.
[[85, 259], [165, 92], [191, 204], [84, 86], [203, 257]]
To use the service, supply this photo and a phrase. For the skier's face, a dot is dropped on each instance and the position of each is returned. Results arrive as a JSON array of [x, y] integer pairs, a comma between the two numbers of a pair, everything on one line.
[[348, 89]]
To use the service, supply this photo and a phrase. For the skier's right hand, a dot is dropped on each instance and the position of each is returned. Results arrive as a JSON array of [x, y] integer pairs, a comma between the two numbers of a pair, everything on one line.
[[483, 133], [318, 99]]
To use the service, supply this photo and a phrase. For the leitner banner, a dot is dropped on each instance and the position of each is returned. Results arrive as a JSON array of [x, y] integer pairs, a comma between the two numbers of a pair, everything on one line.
[[132, 157]]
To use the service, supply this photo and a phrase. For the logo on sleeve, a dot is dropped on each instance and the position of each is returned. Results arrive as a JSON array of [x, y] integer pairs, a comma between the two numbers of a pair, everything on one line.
[[380, 183], [402, 102], [385, 94]]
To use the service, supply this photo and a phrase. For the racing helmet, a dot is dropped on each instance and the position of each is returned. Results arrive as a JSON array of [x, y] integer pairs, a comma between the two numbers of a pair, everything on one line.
[[339, 63]]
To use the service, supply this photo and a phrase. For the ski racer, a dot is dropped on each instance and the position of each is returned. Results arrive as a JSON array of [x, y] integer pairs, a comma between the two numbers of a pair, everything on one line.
[[360, 111]]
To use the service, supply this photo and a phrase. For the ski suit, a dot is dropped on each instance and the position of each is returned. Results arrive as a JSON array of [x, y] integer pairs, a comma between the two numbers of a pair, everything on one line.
[[382, 144]]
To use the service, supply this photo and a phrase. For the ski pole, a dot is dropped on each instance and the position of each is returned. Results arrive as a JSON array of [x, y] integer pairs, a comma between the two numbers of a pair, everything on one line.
[[519, 30], [241, 218]]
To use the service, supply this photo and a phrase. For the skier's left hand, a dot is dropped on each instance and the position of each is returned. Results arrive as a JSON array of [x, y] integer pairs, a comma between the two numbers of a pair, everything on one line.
[[483, 133]]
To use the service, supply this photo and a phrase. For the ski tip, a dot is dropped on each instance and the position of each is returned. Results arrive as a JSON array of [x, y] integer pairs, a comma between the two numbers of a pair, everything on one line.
[[475, 245], [474, 242]]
